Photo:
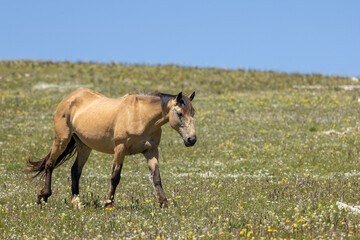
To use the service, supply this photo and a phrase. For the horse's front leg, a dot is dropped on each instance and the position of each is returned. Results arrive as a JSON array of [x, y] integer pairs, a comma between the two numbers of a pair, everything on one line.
[[115, 174], [152, 157]]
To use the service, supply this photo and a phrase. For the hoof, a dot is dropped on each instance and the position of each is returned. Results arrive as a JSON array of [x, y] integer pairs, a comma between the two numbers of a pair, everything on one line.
[[164, 204], [41, 199], [76, 202], [108, 204]]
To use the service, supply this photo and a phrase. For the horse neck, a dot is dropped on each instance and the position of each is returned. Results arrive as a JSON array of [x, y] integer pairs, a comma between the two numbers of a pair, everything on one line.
[[157, 118]]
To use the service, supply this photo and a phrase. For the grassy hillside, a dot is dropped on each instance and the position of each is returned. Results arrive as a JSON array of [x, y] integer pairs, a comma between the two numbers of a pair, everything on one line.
[[275, 153]]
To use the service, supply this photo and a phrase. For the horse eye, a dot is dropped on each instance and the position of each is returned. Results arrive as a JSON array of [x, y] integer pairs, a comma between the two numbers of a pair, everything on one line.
[[179, 114]]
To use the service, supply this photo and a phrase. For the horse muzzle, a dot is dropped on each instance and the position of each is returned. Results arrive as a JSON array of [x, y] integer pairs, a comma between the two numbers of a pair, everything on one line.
[[190, 141]]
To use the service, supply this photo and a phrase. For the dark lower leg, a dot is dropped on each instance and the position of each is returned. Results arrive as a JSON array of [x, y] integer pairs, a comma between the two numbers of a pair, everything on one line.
[[158, 186], [46, 191], [115, 179], [75, 176]]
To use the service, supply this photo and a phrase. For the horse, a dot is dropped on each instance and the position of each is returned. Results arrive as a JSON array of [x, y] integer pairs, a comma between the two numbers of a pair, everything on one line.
[[86, 120]]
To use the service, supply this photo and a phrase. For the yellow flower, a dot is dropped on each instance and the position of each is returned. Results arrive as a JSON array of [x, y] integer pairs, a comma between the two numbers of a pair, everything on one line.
[[294, 225], [287, 221], [248, 224], [178, 197], [241, 233], [222, 233]]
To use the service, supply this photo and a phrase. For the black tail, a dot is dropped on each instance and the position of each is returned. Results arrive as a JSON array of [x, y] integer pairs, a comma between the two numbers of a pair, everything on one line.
[[38, 167]]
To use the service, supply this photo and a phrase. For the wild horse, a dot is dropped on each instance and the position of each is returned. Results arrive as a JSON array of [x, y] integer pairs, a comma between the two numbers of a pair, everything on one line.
[[86, 120]]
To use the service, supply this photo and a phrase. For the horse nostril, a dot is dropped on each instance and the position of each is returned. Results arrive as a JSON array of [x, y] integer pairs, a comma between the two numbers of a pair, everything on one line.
[[191, 140]]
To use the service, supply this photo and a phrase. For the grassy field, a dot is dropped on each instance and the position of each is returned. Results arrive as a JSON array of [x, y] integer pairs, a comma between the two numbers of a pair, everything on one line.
[[275, 153]]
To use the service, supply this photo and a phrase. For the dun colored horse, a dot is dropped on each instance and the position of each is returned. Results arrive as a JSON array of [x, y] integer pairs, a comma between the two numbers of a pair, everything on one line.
[[86, 120]]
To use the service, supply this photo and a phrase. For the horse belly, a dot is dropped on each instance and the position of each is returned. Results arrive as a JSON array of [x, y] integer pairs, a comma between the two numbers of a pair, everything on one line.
[[95, 133], [104, 145]]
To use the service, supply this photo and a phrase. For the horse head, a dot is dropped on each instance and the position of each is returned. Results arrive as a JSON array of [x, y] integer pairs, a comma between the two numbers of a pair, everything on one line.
[[181, 117]]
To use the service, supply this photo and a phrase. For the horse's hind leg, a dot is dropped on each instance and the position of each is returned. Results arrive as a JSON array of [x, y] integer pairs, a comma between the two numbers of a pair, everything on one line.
[[62, 137], [58, 148], [83, 153]]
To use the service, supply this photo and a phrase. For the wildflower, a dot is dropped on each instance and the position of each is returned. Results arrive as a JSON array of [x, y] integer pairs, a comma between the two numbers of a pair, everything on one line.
[[294, 225], [222, 233], [242, 233], [287, 221], [249, 225], [178, 196]]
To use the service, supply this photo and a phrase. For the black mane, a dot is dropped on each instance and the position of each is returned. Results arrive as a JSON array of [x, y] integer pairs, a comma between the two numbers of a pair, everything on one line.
[[165, 98]]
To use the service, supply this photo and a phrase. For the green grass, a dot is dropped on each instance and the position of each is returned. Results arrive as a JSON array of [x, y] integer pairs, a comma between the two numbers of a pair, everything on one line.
[[264, 165]]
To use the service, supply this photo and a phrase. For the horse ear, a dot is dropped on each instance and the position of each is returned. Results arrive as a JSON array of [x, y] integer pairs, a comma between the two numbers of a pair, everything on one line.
[[179, 98], [192, 96]]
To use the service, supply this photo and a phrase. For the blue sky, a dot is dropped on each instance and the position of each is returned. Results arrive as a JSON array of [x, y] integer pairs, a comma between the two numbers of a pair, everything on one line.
[[306, 36]]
